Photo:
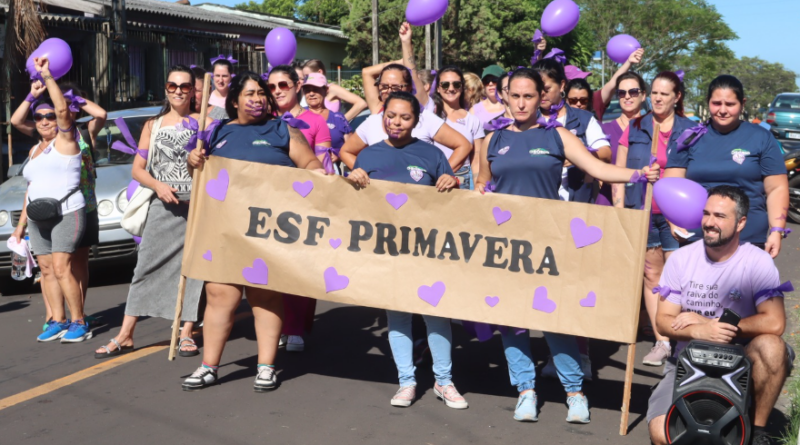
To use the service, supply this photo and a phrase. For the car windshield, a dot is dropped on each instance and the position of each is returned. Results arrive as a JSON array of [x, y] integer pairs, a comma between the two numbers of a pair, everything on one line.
[[787, 101], [104, 154]]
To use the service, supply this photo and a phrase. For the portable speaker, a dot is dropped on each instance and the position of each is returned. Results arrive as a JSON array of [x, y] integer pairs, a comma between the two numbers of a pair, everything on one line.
[[711, 397]]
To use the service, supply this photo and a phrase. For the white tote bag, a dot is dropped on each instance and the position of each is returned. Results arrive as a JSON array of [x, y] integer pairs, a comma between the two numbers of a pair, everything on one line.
[[136, 212]]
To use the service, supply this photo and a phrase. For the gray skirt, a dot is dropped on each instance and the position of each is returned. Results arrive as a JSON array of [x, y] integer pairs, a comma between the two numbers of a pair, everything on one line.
[[154, 289]]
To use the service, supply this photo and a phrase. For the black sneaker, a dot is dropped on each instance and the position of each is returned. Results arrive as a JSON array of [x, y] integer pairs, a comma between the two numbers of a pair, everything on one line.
[[266, 380], [761, 438], [202, 378]]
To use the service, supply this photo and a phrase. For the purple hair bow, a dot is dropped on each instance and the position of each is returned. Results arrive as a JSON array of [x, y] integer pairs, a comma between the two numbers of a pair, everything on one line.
[[557, 55], [265, 76], [680, 74], [537, 37], [192, 125], [498, 123], [690, 136], [222, 57], [665, 291], [776, 292], [294, 122], [327, 161], [131, 148], [75, 101]]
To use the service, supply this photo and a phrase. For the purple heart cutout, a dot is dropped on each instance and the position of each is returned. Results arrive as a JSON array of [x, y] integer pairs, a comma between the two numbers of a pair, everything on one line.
[[218, 188], [335, 243], [432, 294], [207, 256], [258, 274], [303, 188], [500, 215], [590, 300], [492, 301], [541, 302], [584, 235], [334, 281], [396, 201]]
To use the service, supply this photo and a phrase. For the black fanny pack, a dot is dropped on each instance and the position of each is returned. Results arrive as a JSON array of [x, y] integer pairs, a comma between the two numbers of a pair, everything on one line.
[[44, 209]]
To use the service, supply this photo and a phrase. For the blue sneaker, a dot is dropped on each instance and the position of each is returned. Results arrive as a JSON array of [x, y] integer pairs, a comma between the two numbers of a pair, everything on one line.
[[527, 408], [77, 333], [578, 409], [54, 331]]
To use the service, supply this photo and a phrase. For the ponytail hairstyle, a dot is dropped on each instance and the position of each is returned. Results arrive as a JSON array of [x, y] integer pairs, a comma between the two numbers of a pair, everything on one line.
[[677, 88], [408, 97], [238, 84], [552, 69], [426, 77], [223, 62], [315, 65], [437, 98], [473, 89], [166, 108], [635, 76], [726, 82], [396, 67]]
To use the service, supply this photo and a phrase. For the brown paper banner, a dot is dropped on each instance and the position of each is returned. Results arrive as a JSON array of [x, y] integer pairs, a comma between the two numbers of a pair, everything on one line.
[[526, 272]]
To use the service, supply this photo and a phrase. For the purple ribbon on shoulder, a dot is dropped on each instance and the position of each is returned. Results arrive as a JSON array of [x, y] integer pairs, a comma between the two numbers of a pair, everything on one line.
[[327, 161], [557, 55], [498, 123], [776, 292], [75, 101], [131, 147], [549, 124], [222, 57], [690, 136], [537, 37], [191, 124], [665, 291], [294, 122]]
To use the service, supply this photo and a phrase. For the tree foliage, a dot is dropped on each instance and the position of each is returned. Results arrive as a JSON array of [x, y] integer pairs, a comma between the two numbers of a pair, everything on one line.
[[284, 8], [762, 81], [327, 12]]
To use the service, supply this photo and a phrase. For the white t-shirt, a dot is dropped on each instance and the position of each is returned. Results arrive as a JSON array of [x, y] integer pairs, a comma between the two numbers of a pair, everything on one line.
[[371, 130], [470, 127], [595, 138]]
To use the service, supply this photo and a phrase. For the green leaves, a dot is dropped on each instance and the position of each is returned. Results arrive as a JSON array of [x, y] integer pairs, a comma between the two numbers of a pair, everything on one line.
[[285, 8]]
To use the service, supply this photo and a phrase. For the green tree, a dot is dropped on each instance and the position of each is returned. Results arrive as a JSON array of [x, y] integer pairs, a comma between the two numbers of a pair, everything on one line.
[[762, 81], [705, 62], [284, 8], [327, 12]]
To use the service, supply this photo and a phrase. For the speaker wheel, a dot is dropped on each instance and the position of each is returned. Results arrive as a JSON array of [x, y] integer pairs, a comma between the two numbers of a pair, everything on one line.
[[705, 417]]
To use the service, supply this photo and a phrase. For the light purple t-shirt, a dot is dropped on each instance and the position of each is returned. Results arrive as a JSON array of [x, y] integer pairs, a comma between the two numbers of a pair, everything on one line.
[[371, 130], [470, 127], [708, 287]]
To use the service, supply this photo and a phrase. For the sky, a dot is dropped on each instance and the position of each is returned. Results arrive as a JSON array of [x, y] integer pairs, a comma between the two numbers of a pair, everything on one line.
[[767, 29]]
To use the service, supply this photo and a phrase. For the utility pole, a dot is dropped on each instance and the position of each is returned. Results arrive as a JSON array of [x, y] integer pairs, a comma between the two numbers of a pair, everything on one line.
[[438, 38], [428, 55], [375, 48]]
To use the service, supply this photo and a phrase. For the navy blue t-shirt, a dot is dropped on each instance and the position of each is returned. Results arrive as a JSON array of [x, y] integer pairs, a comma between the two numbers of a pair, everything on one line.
[[416, 163], [740, 158], [527, 163], [266, 143]]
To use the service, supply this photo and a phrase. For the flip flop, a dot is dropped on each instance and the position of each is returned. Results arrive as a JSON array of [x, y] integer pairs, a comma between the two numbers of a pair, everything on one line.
[[190, 342], [109, 353]]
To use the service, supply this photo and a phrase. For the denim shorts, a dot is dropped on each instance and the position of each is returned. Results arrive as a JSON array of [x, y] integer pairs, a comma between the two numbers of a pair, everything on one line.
[[660, 234], [464, 176]]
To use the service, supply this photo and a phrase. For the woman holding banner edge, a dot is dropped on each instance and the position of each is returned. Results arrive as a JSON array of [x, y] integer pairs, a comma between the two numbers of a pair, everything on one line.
[[510, 166], [253, 108]]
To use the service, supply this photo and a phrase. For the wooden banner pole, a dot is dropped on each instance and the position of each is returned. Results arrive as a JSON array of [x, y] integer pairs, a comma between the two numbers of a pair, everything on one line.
[[176, 321], [631, 361]]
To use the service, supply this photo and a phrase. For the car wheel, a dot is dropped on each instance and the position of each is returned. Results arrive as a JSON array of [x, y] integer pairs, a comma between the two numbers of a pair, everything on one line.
[[794, 199]]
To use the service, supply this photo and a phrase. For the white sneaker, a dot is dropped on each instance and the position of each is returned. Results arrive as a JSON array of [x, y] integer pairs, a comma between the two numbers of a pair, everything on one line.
[[549, 370], [201, 378], [266, 380], [295, 343], [586, 367]]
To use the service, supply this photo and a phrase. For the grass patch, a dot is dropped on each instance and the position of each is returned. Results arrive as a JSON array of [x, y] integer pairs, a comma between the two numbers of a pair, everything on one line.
[[790, 434]]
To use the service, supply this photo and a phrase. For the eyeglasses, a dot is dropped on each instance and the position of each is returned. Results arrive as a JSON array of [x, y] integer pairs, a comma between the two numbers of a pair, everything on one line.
[[578, 100], [490, 79], [384, 87], [456, 85], [505, 89], [172, 87], [283, 85], [49, 116], [634, 92]]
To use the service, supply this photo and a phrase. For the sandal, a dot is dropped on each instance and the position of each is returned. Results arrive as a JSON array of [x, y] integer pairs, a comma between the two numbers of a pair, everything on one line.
[[109, 353], [189, 342]]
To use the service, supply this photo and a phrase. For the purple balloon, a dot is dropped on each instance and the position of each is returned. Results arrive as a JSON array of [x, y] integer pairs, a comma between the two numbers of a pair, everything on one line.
[[131, 188], [621, 46], [57, 52], [425, 12], [681, 201], [560, 17], [280, 47]]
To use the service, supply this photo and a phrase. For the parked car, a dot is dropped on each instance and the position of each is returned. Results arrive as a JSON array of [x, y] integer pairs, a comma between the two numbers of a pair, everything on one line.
[[783, 116], [113, 177], [614, 110]]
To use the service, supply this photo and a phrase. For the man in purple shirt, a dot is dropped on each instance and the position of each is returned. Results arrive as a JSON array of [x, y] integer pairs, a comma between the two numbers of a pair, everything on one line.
[[699, 282]]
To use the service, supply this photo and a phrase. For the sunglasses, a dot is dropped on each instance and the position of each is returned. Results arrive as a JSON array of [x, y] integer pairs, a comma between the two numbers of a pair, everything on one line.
[[578, 100], [172, 87], [490, 79], [283, 85], [49, 116], [634, 92], [384, 87], [456, 85]]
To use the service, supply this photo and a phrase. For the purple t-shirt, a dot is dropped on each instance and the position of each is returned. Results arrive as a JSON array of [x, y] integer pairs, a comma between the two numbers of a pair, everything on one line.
[[483, 115], [371, 130], [707, 288], [338, 126], [470, 127]]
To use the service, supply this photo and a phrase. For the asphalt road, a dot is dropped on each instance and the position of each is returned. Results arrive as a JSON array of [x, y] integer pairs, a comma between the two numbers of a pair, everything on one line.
[[337, 391]]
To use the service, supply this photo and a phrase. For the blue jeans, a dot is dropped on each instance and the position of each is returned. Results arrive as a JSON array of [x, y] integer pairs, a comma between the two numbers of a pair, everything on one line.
[[521, 370], [464, 175], [440, 339]]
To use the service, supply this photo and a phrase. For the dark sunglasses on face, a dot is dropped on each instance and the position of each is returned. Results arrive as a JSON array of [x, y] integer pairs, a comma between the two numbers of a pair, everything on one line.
[[634, 92], [490, 79], [384, 87], [456, 85], [578, 100], [283, 85], [172, 87], [49, 116]]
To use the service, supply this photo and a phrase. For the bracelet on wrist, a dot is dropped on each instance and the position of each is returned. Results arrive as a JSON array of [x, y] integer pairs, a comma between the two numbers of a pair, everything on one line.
[[784, 232], [47, 77]]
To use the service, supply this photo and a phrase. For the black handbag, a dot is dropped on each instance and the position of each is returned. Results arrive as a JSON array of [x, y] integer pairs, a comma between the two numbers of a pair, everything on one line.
[[45, 209]]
